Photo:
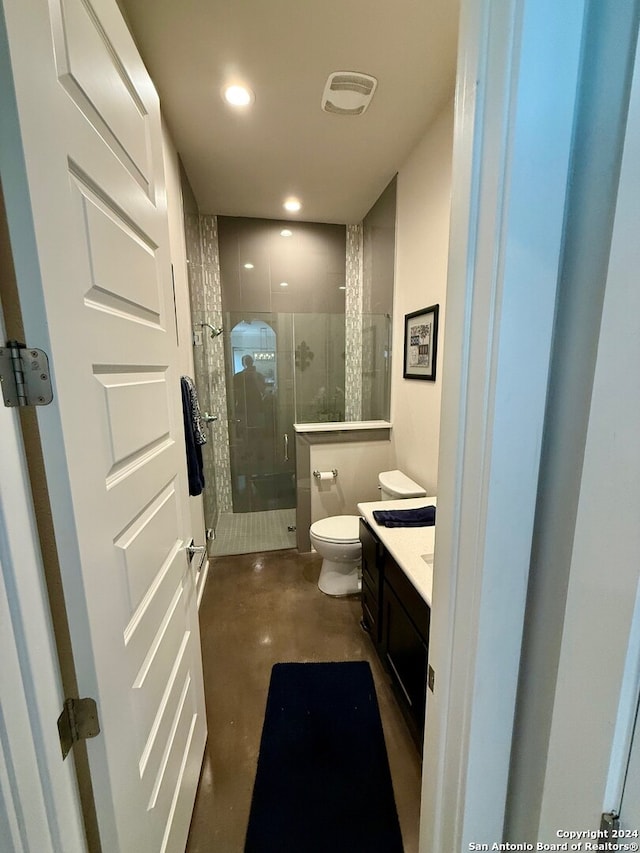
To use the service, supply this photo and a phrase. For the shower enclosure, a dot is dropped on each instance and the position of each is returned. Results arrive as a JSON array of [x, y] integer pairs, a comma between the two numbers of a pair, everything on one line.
[[281, 369], [297, 346]]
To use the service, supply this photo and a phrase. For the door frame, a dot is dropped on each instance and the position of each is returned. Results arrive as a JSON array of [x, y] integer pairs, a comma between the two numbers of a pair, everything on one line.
[[38, 791], [504, 260], [599, 657]]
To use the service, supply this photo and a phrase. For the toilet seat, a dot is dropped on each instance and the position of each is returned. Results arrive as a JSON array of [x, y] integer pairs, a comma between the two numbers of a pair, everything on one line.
[[337, 528]]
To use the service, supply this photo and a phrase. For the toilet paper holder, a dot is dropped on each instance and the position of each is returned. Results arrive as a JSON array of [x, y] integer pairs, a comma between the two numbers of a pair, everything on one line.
[[326, 475]]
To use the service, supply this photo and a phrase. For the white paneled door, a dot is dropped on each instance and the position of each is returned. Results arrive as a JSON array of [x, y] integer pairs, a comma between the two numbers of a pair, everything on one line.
[[82, 174]]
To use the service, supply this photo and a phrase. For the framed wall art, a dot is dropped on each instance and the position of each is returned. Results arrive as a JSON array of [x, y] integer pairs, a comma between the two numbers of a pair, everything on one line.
[[421, 344]]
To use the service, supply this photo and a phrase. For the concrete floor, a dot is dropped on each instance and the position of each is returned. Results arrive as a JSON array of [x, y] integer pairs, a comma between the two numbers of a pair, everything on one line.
[[257, 610]]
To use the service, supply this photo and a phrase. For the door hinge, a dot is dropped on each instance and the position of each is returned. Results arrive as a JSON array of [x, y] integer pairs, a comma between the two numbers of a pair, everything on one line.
[[431, 678], [608, 822], [24, 376], [78, 721]]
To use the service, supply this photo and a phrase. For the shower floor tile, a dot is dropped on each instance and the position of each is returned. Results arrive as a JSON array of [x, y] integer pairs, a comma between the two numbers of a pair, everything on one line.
[[248, 532]]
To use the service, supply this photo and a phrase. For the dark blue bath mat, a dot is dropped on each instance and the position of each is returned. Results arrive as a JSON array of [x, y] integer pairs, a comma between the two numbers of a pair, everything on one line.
[[323, 783]]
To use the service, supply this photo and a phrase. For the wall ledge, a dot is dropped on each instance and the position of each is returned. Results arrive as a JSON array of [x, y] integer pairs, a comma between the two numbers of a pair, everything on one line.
[[342, 426]]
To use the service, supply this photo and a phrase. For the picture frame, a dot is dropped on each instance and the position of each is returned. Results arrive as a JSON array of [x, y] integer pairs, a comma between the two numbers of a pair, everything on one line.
[[421, 344]]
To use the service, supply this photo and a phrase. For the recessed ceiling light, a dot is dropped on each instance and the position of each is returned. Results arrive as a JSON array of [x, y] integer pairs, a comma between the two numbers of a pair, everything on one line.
[[237, 96], [284, 284], [248, 266], [342, 287], [292, 205], [286, 233]]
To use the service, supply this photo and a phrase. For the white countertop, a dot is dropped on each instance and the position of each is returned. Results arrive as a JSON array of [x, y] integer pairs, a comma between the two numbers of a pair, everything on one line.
[[407, 545]]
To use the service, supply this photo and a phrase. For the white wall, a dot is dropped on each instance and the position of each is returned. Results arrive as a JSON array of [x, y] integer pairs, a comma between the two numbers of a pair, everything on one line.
[[584, 577], [422, 242], [178, 253], [358, 464]]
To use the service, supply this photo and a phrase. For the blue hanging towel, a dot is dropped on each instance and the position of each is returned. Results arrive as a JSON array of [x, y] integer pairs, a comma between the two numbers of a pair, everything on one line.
[[423, 516]]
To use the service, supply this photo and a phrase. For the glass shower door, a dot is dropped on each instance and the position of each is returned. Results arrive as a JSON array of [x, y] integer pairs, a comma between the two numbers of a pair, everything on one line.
[[261, 409]]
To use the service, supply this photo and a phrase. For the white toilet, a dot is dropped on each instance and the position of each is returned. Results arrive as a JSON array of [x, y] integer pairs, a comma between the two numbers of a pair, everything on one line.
[[337, 540]]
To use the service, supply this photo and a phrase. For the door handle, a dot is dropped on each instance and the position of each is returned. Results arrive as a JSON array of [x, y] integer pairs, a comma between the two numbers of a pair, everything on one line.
[[208, 419], [286, 447], [192, 550]]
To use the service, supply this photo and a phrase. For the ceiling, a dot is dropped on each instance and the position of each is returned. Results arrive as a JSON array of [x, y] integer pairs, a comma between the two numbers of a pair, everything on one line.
[[244, 163]]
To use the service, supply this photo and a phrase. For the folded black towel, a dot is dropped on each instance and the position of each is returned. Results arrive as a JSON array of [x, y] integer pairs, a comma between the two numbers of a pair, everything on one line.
[[422, 516]]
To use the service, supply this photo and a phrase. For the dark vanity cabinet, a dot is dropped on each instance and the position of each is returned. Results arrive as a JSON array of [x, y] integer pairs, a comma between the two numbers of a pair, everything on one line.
[[405, 642], [397, 618], [372, 555]]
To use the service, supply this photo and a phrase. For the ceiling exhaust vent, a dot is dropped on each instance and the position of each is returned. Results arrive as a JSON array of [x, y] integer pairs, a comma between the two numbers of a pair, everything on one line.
[[348, 93]]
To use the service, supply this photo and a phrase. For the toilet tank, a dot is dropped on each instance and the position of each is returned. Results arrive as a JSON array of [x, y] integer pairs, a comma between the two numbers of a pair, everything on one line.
[[394, 485]]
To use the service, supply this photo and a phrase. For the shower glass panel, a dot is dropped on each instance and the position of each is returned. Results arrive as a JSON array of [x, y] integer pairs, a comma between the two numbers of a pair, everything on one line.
[[260, 401], [321, 387], [319, 341]]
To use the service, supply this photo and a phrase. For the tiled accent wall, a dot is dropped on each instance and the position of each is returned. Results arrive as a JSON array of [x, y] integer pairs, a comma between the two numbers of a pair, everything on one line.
[[206, 306], [197, 298], [353, 324]]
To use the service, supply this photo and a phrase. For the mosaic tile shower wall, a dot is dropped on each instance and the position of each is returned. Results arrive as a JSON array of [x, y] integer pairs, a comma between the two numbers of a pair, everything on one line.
[[369, 331], [197, 298], [353, 324], [206, 307]]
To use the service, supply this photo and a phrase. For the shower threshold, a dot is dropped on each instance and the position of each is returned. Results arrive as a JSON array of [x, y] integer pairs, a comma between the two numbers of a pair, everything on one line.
[[250, 532]]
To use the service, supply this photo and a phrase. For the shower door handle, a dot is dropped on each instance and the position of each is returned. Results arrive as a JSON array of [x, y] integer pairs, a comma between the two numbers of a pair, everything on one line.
[[286, 447]]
